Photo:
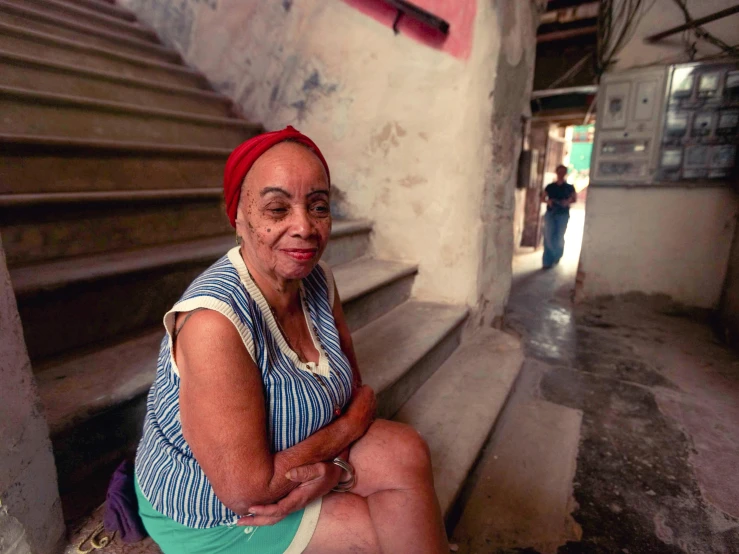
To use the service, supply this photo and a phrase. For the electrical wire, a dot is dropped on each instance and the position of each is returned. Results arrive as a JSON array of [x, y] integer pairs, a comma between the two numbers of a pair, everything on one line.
[[701, 34], [616, 27]]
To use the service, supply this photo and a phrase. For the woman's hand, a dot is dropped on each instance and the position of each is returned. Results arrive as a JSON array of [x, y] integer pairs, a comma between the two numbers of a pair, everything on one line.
[[361, 410], [316, 480]]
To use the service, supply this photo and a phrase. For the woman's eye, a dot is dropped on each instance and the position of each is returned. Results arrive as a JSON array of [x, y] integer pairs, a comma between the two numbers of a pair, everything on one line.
[[277, 210], [321, 208]]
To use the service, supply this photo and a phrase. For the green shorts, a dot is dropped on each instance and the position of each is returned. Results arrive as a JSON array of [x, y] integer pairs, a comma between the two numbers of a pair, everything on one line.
[[289, 536]]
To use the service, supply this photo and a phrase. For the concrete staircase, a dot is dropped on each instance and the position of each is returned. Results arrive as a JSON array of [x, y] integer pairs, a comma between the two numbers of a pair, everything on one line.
[[111, 160]]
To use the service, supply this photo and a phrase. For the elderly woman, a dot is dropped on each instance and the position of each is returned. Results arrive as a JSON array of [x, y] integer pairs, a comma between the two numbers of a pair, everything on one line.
[[259, 436]]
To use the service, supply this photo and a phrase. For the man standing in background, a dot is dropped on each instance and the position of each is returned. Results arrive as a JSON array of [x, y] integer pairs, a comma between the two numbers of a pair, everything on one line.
[[559, 196]]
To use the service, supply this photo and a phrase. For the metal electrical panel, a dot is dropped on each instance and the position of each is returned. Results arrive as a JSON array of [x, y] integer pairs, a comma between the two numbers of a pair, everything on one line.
[[699, 136], [668, 125], [627, 126]]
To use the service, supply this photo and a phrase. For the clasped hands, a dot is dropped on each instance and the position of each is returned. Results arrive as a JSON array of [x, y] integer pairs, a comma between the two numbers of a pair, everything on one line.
[[315, 480]]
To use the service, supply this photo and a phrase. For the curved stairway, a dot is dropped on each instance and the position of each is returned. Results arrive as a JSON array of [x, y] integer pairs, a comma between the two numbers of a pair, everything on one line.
[[111, 159]]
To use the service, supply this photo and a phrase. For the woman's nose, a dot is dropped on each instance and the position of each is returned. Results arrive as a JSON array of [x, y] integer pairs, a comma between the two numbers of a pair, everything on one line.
[[302, 225]]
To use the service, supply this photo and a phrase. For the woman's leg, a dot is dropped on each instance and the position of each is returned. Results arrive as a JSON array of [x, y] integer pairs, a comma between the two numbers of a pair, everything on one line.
[[394, 474], [343, 526], [393, 507]]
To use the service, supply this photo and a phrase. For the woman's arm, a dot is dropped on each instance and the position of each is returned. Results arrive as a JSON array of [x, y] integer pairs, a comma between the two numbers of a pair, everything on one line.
[[224, 420], [313, 477]]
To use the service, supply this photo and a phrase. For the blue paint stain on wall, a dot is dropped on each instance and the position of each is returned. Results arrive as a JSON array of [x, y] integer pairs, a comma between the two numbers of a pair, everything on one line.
[[313, 82]]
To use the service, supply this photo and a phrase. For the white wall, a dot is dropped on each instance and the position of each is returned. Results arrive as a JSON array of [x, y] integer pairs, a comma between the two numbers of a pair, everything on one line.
[[673, 241], [30, 508], [409, 131]]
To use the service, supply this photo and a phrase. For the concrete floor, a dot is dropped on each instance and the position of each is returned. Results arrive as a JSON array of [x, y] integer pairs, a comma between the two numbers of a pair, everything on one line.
[[621, 435]]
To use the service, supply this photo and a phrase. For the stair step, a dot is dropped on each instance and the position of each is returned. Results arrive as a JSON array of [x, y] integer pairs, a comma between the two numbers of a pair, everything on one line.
[[39, 74], [91, 288], [90, 17], [370, 287], [455, 410], [40, 228], [399, 351], [77, 389], [56, 199], [63, 273], [110, 295], [20, 40], [41, 113], [46, 230], [67, 27], [36, 164], [350, 240], [107, 8]]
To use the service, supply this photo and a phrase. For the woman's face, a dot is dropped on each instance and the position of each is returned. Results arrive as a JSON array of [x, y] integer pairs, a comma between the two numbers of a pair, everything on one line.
[[284, 218]]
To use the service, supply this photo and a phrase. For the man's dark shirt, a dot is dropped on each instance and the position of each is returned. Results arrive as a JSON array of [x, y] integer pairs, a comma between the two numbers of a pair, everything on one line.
[[559, 192]]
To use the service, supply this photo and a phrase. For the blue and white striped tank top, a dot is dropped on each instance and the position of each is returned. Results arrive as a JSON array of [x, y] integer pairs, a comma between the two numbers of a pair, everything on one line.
[[298, 404]]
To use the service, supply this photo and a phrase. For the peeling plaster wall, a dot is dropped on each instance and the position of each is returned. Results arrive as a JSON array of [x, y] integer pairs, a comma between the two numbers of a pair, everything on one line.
[[30, 510], [674, 241], [423, 142]]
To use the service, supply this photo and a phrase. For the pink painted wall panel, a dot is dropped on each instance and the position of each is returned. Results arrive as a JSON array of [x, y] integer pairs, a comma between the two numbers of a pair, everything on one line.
[[459, 13]]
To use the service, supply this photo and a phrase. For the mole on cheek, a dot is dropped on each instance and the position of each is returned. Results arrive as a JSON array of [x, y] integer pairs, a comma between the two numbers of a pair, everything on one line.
[[269, 230]]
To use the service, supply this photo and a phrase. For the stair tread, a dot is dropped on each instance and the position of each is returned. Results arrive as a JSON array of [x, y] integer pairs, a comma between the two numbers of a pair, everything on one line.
[[94, 15], [55, 143], [107, 8], [69, 23], [82, 268], [106, 196], [107, 105], [456, 408], [115, 77], [365, 275], [388, 346], [75, 44], [77, 388], [343, 227]]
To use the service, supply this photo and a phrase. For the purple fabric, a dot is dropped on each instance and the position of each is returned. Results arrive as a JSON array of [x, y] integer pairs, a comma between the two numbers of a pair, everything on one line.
[[121, 506]]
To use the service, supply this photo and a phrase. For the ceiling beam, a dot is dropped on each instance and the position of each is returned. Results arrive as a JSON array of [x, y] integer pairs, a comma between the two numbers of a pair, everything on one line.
[[568, 33]]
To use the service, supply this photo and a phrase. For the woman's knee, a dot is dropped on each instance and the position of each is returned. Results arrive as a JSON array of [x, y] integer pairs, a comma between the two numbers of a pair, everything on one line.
[[399, 447]]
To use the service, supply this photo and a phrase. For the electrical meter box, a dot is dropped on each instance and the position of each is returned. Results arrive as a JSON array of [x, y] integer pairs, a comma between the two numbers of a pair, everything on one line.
[[667, 125]]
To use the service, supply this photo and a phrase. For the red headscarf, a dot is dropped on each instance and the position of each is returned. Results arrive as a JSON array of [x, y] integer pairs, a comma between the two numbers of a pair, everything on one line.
[[243, 157]]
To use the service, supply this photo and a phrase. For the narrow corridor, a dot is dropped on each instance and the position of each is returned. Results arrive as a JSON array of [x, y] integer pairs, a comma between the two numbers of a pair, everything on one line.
[[621, 435]]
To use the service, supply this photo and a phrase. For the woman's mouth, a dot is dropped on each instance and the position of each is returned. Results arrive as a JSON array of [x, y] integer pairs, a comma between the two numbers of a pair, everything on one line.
[[301, 254]]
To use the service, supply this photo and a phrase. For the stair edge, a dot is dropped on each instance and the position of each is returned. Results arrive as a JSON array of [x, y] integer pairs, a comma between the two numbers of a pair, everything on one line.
[[56, 100], [100, 51], [66, 22], [113, 77]]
